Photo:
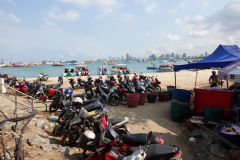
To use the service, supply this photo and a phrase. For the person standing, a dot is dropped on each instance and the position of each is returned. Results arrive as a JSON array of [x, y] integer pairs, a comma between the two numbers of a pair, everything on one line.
[[213, 80]]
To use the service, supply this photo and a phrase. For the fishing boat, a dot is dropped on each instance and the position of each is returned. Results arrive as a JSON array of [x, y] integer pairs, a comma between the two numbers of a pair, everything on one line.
[[120, 69], [58, 64], [82, 70], [69, 72], [102, 70], [165, 68]]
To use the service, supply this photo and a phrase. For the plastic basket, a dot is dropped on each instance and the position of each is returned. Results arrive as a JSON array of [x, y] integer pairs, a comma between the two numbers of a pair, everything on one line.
[[213, 114], [152, 97], [163, 96], [142, 98]]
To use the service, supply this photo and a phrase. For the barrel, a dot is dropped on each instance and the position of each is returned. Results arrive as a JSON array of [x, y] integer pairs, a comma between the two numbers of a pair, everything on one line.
[[133, 99], [163, 96], [182, 95], [142, 98], [152, 97], [179, 111]]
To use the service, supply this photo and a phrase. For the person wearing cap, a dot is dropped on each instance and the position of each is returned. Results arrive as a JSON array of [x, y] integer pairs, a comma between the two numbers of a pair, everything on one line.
[[213, 80]]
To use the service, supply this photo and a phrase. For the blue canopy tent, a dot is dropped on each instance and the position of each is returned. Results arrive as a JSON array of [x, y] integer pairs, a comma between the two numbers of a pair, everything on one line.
[[221, 57]]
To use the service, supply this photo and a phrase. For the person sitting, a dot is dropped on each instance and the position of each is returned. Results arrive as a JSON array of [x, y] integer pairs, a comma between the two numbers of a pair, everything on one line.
[[213, 79]]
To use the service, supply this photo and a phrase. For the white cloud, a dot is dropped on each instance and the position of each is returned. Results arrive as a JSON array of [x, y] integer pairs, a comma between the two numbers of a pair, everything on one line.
[[172, 37], [9, 16], [105, 12], [57, 14], [49, 23], [72, 54], [127, 17], [183, 4], [61, 56], [172, 11], [189, 46], [87, 3], [196, 26], [151, 8]]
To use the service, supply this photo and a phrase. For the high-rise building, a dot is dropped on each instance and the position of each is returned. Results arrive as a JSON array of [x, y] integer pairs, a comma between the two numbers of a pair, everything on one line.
[[177, 56], [184, 55], [162, 56], [172, 54], [128, 57], [167, 56], [152, 57]]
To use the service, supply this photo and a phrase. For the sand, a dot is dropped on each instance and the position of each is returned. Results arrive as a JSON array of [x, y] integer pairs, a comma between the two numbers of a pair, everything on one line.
[[149, 117]]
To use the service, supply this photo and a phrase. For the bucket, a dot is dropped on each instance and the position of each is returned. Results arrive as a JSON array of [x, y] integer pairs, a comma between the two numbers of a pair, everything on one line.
[[235, 139], [152, 97], [170, 88], [133, 99], [142, 98], [213, 114], [182, 95], [163, 96], [179, 111]]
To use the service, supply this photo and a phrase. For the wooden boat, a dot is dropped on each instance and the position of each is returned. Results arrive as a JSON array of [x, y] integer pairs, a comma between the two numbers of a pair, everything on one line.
[[102, 70], [82, 70], [120, 69]]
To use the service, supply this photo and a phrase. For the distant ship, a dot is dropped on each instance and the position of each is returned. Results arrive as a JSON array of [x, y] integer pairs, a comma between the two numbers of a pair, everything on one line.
[[71, 62]]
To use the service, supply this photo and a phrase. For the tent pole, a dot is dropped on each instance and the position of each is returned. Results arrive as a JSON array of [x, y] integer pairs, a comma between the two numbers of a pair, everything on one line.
[[196, 78], [227, 82], [175, 79]]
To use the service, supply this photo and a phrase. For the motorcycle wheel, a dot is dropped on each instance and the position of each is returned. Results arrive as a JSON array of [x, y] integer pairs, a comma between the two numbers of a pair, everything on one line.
[[87, 152], [58, 130], [70, 137], [53, 108], [157, 89], [113, 100], [123, 99]]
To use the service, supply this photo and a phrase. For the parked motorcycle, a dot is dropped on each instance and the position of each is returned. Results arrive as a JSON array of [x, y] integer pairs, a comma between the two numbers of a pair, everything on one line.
[[88, 88], [73, 84], [60, 80], [104, 92], [80, 82], [42, 77]]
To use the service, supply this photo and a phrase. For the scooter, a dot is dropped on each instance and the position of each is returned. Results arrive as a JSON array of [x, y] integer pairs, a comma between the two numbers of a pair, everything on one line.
[[73, 83], [60, 80], [88, 88], [107, 93], [42, 77]]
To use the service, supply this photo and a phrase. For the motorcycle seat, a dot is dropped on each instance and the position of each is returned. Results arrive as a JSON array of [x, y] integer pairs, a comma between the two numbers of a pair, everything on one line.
[[118, 120], [138, 139], [156, 151], [89, 101], [93, 106], [80, 95]]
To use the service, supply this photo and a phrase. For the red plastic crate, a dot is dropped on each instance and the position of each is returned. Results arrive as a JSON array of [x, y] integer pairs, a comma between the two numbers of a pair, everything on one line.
[[213, 98]]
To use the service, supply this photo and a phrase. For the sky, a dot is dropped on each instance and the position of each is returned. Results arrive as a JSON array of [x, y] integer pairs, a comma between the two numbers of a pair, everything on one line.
[[33, 30]]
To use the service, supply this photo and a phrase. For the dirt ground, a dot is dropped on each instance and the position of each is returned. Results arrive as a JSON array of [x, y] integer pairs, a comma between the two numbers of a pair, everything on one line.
[[154, 117]]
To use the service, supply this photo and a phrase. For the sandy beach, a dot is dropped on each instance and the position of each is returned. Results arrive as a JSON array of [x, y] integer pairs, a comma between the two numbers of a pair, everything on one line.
[[144, 118]]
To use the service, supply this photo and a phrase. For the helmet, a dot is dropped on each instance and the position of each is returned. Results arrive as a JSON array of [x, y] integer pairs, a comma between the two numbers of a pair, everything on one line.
[[68, 91], [78, 100], [214, 72]]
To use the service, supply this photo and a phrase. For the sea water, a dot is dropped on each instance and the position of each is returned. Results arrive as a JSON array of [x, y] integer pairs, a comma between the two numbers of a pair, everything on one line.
[[55, 71]]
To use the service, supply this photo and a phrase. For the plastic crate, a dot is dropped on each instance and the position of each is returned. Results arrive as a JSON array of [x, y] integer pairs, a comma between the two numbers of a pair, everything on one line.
[[213, 98]]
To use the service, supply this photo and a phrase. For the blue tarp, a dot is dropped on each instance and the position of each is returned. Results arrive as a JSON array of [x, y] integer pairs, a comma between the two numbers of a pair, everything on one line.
[[221, 57]]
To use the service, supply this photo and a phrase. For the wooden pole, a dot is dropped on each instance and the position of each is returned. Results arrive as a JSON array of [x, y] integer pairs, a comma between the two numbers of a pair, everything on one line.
[[175, 79], [196, 78]]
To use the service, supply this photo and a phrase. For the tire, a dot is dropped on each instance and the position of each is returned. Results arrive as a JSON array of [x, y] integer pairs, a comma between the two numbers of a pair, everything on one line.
[[87, 152], [157, 89], [53, 107], [113, 100], [123, 99], [70, 137], [58, 130]]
